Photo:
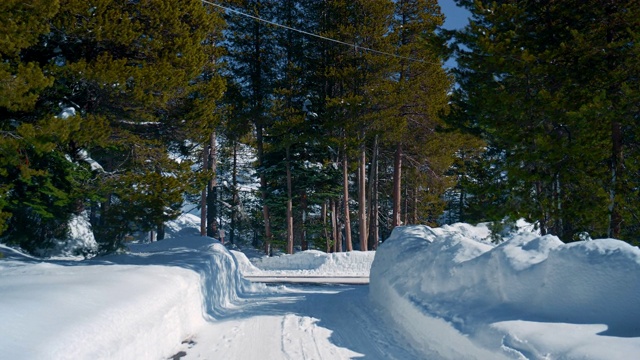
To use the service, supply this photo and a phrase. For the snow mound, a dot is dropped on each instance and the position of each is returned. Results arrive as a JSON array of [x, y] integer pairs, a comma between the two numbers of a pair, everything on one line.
[[467, 281], [118, 306], [184, 225], [221, 281], [314, 262], [244, 264]]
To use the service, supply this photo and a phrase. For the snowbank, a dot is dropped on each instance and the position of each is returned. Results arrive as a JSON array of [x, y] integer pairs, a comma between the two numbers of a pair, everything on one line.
[[487, 291], [314, 262], [115, 307], [184, 225]]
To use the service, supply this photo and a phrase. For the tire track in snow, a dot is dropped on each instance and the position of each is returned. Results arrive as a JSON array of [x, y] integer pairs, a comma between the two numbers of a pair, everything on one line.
[[302, 323]]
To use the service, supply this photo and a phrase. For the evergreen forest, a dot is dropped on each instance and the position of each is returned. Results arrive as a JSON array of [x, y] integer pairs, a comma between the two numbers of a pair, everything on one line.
[[297, 124]]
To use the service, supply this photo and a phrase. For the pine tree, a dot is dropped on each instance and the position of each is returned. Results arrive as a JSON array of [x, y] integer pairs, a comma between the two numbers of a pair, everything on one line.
[[251, 63], [354, 74], [36, 182], [136, 81], [527, 82], [412, 103]]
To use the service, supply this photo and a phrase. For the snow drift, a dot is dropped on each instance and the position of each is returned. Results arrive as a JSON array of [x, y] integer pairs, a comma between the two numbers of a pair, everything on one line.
[[311, 262], [450, 274], [109, 307]]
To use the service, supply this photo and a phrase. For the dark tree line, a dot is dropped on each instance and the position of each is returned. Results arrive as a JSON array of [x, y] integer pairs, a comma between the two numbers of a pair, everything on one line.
[[329, 119], [121, 110], [552, 88]]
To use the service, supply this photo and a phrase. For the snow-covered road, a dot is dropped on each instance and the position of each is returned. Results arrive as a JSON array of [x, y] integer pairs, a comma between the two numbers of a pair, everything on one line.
[[434, 293], [306, 279], [301, 322]]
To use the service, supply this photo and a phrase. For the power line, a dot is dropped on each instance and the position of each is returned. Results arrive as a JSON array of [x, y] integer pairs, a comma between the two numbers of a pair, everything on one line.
[[356, 47]]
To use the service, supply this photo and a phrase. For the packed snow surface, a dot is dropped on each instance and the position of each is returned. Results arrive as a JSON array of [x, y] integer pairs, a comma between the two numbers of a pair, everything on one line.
[[310, 262], [531, 297], [435, 293]]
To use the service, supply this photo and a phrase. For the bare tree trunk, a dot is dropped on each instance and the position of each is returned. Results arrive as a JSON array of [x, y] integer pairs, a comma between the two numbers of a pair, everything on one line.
[[415, 206], [235, 200], [340, 238], [212, 194], [289, 206], [617, 156], [362, 200], [372, 196], [375, 225], [263, 188], [543, 213], [160, 231], [304, 203], [461, 205], [203, 200], [617, 163], [325, 228], [397, 186], [347, 219], [334, 224], [406, 205]]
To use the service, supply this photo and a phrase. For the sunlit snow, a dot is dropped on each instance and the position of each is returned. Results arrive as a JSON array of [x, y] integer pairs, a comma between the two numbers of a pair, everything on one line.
[[434, 293]]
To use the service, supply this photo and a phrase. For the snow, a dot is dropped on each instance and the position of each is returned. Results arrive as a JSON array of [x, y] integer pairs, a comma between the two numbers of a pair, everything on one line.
[[530, 297], [79, 243], [434, 293], [309, 263], [139, 305]]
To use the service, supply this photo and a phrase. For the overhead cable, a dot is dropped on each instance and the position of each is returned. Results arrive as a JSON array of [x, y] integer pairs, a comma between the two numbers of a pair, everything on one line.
[[356, 47]]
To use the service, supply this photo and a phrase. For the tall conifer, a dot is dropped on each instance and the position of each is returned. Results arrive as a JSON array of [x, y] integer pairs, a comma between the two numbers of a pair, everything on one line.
[[548, 86]]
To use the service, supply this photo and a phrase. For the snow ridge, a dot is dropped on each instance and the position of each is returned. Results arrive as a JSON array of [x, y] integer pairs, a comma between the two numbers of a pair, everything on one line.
[[472, 284]]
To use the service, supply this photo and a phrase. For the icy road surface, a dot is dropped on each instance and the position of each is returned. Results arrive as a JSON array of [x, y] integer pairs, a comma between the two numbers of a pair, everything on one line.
[[301, 322]]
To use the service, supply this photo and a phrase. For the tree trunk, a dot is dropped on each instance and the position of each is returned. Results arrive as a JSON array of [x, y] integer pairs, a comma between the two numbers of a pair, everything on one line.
[[406, 205], [397, 186], [340, 237], [617, 156], [203, 199], [235, 199], [263, 190], [304, 203], [372, 198], [334, 225], [617, 163], [362, 200], [347, 218], [289, 206], [415, 206], [212, 194], [161, 232], [543, 214], [325, 227], [461, 205]]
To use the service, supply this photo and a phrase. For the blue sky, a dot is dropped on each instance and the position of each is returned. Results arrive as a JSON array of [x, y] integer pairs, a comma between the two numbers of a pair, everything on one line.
[[456, 17]]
